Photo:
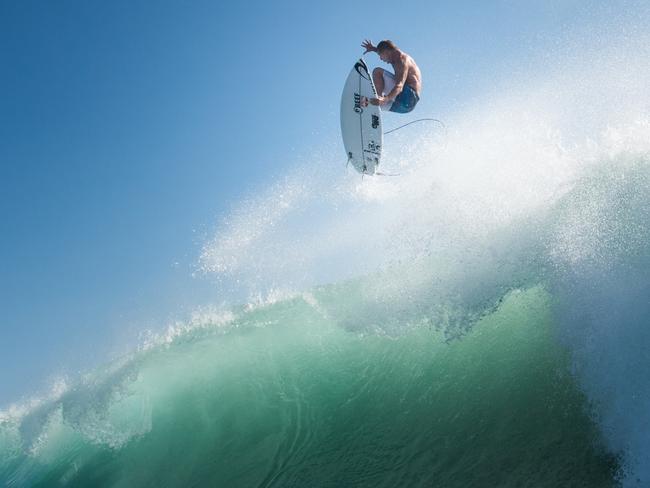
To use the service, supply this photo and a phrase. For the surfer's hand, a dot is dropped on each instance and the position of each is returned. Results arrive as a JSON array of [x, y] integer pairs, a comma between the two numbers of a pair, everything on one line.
[[367, 45], [378, 101]]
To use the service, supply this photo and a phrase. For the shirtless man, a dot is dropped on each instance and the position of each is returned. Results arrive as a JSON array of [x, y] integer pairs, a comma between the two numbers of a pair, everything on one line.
[[402, 89]]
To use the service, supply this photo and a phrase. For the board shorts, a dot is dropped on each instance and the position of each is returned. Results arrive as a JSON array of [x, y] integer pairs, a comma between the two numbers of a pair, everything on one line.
[[405, 101]]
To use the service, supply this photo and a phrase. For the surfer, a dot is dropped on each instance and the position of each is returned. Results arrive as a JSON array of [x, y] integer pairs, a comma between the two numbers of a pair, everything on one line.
[[402, 89]]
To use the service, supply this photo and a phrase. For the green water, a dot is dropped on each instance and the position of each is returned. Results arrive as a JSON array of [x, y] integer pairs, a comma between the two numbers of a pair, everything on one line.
[[286, 397]]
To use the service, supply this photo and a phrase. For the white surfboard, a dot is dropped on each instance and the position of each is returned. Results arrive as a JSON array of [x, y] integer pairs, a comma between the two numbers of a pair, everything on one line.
[[361, 125]]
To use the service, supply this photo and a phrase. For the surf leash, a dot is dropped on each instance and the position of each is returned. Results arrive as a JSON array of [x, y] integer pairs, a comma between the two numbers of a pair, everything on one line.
[[415, 121]]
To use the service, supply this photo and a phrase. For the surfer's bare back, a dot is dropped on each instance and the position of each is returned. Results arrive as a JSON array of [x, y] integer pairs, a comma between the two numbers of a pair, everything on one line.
[[402, 89]]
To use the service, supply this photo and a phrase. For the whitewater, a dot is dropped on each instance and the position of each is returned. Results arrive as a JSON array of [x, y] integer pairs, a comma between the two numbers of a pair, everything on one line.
[[481, 320]]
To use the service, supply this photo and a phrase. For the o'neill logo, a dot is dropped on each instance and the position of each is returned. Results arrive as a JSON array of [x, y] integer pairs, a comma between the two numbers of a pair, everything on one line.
[[362, 69], [357, 103]]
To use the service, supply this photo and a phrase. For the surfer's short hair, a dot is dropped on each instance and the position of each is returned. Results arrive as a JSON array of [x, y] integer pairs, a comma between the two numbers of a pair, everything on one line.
[[385, 45]]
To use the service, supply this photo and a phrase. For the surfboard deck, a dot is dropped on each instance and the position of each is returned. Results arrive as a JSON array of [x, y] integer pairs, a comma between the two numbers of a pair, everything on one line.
[[361, 125]]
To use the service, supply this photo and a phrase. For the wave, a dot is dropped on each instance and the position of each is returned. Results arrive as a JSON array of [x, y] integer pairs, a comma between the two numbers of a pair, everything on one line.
[[282, 395]]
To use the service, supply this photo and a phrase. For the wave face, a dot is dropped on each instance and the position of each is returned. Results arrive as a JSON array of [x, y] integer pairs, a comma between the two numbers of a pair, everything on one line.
[[485, 322], [282, 395]]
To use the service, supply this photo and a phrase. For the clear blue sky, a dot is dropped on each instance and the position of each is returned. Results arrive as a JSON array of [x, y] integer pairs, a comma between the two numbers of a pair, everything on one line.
[[127, 128]]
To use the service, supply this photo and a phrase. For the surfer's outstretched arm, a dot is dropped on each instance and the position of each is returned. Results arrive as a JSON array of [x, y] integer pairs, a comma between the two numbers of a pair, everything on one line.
[[367, 45]]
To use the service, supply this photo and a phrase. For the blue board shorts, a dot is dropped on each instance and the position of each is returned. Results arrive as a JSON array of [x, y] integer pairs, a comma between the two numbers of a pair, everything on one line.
[[405, 101]]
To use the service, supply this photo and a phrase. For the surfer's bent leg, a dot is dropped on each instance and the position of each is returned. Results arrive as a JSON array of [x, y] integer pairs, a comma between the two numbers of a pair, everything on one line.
[[378, 79], [384, 82]]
